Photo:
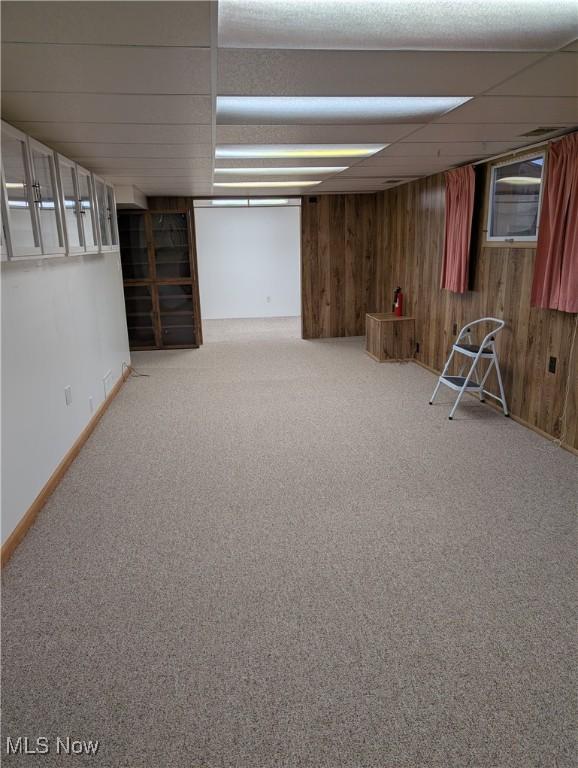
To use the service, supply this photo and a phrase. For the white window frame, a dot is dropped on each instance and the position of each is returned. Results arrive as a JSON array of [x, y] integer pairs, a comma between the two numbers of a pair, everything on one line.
[[510, 161]]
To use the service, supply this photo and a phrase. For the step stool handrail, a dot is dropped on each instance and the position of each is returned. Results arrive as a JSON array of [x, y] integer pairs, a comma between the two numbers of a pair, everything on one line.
[[466, 330]]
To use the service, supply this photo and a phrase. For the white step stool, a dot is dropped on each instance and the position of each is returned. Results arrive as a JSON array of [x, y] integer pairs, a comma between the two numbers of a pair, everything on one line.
[[485, 351]]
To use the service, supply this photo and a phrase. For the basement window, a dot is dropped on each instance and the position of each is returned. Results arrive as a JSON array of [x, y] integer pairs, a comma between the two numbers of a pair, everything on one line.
[[515, 198]]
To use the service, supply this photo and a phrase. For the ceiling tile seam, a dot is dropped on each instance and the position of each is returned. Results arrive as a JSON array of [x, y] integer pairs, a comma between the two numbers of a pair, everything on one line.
[[108, 93], [517, 52], [86, 122], [112, 45], [214, 69]]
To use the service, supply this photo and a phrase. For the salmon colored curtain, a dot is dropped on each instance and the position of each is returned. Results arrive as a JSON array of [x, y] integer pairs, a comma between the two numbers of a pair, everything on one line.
[[460, 189], [555, 283]]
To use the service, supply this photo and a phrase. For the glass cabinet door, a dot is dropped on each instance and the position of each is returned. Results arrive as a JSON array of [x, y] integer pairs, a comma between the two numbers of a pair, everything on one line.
[[102, 213], [46, 202], [134, 254], [71, 205], [111, 212], [140, 316], [171, 244], [86, 198], [176, 314], [19, 195]]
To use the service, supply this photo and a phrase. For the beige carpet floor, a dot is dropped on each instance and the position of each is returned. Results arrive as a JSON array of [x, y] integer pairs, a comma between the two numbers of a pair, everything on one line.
[[273, 553]]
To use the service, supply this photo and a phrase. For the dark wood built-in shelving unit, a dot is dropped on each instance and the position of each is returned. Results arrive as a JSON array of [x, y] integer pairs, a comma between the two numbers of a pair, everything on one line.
[[160, 279]]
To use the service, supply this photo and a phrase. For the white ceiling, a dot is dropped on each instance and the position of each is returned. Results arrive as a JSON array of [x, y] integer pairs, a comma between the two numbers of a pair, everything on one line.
[[449, 25], [129, 89]]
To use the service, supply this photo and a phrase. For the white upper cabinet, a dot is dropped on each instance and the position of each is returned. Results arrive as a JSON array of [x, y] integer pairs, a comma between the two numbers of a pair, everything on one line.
[[78, 207], [20, 220], [106, 214], [47, 200], [87, 209], [50, 205], [111, 203], [71, 215]]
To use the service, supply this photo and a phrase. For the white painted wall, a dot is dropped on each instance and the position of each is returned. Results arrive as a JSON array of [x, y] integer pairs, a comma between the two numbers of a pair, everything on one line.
[[245, 256], [63, 323]]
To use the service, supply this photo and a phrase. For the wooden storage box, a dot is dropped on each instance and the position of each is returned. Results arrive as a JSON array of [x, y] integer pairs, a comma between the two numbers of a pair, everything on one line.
[[389, 338]]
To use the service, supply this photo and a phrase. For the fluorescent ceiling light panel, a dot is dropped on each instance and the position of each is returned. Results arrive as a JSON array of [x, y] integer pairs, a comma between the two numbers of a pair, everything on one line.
[[449, 25], [265, 183], [295, 151], [332, 110], [304, 170]]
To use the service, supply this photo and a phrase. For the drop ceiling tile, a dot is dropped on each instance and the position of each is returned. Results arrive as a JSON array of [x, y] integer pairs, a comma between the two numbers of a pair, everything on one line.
[[105, 108], [555, 76], [100, 151], [105, 69], [116, 133], [499, 131], [448, 149], [516, 109], [312, 134], [397, 24], [383, 171], [138, 175], [384, 161], [166, 163], [120, 23], [364, 73]]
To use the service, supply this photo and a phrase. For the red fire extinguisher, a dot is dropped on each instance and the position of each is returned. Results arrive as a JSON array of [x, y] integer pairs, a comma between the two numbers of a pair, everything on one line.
[[398, 302]]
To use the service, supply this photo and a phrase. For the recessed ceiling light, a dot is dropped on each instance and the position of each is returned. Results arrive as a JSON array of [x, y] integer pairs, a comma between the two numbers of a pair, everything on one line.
[[265, 183], [278, 151], [349, 110], [302, 171]]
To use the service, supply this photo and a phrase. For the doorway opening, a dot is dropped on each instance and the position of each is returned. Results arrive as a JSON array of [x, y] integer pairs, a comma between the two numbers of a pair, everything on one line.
[[249, 265]]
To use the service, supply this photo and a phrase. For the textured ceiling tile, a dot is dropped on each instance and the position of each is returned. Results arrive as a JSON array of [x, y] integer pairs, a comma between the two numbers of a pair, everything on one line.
[[398, 24], [364, 73], [98, 23], [105, 69]]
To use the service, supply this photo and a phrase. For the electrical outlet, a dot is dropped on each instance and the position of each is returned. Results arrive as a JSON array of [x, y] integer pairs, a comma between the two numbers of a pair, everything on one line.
[[268, 299], [91, 404], [68, 395], [106, 382], [552, 365]]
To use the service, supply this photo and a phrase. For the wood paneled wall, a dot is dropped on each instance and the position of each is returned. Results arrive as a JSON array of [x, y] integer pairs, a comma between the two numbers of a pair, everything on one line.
[[410, 234], [338, 264]]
